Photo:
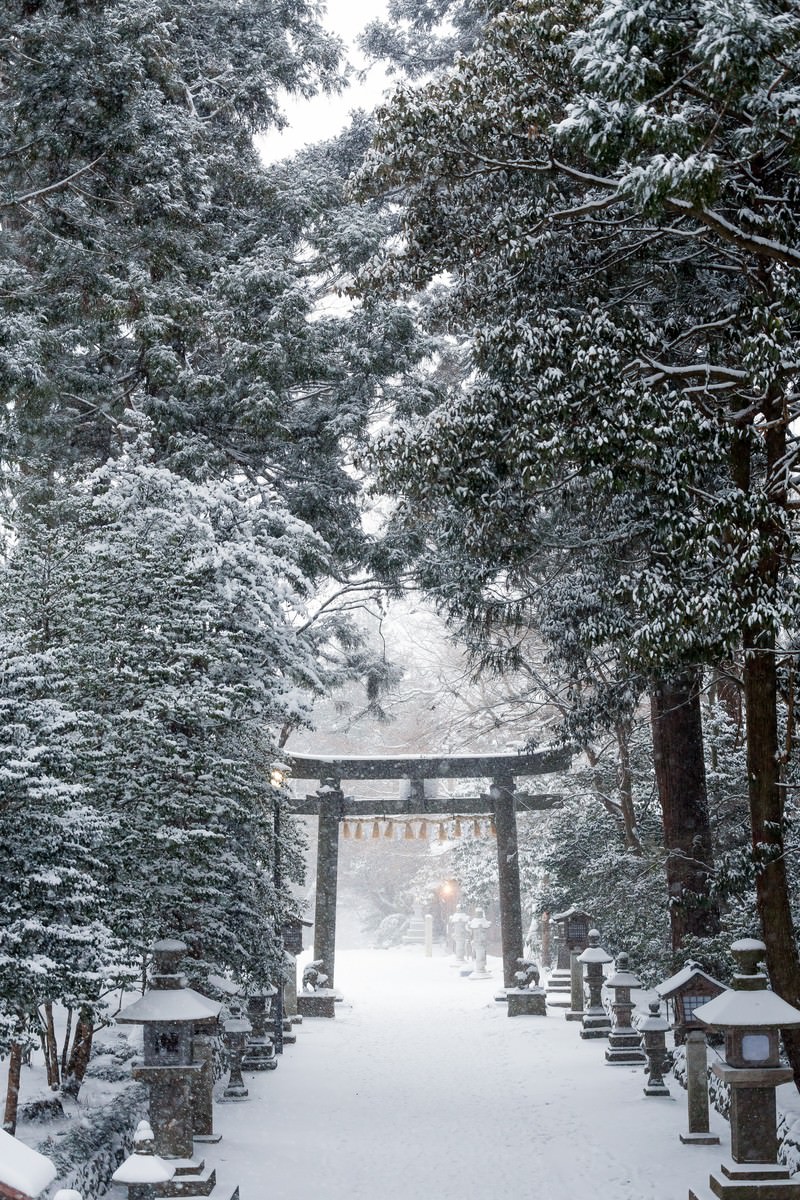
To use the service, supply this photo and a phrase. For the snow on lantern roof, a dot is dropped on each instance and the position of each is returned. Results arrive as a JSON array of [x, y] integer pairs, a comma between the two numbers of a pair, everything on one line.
[[748, 1008], [689, 971], [226, 985], [169, 946], [624, 979], [23, 1168], [572, 911], [168, 1005]]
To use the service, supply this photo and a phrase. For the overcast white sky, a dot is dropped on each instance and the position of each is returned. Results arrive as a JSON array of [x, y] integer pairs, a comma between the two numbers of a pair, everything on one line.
[[324, 116]]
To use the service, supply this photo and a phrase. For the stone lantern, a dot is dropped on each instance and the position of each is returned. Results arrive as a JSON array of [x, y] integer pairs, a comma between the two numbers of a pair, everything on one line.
[[624, 1042], [479, 928], [458, 922], [169, 1012], [237, 1028], [653, 1029], [259, 1052], [750, 1017], [595, 1022], [684, 993], [293, 946], [572, 937], [143, 1172]]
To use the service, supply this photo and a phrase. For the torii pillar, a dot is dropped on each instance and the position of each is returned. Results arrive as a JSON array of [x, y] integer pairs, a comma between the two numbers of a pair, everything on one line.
[[330, 807], [505, 823]]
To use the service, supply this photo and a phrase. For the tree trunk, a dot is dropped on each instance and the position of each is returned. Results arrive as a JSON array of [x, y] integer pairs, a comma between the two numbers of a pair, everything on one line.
[[12, 1090], [625, 786], [50, 1047], [79, 1056], [681, 781], [65, 1047], [766, 820]]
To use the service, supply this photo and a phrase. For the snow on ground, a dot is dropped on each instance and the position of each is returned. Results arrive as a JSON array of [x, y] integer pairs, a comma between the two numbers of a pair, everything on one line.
[[422, 1088]]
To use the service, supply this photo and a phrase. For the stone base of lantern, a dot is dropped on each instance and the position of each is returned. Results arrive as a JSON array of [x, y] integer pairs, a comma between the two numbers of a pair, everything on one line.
[[191, 1178], [259, 1055], [289, 1032], [625, 1049], [750, 1181], [657, 1089], [479, 975], [317, 1004], [573, 1014], [596, 1024], [526, 1002], [699, 1139]]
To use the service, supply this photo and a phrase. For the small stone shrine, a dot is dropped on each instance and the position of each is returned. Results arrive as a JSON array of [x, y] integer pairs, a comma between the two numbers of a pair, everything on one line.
[[571, 935], [527, 999], [684, 992], [750, 1016], [169, 1012], [624, 1042], [595, 1022]]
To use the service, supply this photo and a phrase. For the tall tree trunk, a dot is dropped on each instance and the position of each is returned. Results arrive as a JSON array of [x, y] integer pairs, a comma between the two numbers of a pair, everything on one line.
[[759, 676], [50, 1047], [65, 1047], [766, 820], [12, 1090], [80, 1053], [681, 780], [625, 786]]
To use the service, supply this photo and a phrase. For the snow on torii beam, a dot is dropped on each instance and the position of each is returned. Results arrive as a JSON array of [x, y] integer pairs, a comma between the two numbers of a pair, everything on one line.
[[330, 805], [429, 766]]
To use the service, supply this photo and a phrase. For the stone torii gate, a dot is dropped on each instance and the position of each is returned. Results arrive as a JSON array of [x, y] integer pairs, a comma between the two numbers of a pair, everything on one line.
[[330, 806]]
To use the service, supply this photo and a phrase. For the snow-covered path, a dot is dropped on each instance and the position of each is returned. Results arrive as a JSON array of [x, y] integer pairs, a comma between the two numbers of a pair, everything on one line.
[[422, 1088]]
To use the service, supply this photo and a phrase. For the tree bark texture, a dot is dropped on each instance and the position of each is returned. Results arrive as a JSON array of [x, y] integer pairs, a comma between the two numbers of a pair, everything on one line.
[[766, 820], [50, 1048], [12, 1089], [80, 1053], [681, 781]]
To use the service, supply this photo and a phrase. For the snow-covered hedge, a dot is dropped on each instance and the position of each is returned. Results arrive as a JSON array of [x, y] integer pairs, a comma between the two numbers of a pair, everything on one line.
[[88, 1155]]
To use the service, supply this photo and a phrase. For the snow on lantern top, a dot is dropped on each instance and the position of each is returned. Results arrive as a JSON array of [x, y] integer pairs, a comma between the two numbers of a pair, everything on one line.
[[622, 978], [144, 1165], [24, 1172], [594, 952], [749, 1014], [168, 1000]]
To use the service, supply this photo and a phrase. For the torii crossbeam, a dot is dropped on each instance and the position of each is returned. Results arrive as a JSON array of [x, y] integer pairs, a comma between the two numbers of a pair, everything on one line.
[[330, 806]]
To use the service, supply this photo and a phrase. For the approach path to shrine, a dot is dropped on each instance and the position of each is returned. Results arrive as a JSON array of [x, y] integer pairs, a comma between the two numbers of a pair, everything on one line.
[[422, 1088]]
